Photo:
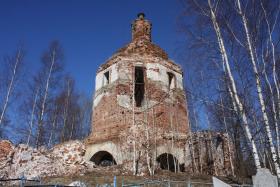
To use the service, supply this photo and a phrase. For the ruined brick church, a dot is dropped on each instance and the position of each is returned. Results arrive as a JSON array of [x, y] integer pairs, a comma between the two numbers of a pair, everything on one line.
[[140, 116]]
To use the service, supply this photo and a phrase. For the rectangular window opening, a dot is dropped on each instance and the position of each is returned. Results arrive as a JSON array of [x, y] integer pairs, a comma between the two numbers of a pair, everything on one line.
[[139, 89], [171, 80], [106, 78]]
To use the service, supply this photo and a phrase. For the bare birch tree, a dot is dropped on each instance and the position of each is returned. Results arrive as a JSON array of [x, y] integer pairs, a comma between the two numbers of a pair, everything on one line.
[[13, 68], [233, 88], [259, 86], [270, 29], [46, 79]]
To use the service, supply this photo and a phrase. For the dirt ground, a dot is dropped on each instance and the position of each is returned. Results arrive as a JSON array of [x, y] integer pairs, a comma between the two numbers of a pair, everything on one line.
[[103, 176]]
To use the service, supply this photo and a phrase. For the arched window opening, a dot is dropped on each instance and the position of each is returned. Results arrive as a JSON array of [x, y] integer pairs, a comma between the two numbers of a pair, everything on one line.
[[139, 89], [171, 80], [103, 158], [169, 162]]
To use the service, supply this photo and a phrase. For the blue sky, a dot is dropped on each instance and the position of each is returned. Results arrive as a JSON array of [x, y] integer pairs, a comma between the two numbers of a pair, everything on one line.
[[90, 31]]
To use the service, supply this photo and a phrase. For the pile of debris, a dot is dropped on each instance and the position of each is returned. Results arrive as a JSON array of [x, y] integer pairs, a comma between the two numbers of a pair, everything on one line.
[[61, 160]]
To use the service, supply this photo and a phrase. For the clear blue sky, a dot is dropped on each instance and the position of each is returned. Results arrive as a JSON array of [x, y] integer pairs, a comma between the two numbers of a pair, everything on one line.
[[90, 31]]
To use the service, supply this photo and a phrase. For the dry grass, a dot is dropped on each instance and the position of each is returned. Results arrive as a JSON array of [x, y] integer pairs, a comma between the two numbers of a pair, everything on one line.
[[106, 176]]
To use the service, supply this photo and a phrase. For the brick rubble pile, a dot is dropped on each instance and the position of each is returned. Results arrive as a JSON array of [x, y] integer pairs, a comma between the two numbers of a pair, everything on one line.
[[63, 159]]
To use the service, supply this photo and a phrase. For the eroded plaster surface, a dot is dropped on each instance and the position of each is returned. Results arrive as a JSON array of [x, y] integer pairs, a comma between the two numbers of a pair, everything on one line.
[[159, 124]]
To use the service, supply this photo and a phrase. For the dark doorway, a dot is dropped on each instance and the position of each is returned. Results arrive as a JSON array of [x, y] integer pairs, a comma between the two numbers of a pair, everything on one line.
[[139, 89], [168, 162], [103, 158]]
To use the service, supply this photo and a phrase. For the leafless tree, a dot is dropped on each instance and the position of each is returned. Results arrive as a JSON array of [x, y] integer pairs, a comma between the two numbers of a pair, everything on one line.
[[246, 73], [46, 81], [11, 72], [13, 66]]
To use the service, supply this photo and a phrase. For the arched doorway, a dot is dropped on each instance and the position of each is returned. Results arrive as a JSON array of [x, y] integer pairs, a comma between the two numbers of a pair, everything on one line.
[[168, 162], [103, 158]]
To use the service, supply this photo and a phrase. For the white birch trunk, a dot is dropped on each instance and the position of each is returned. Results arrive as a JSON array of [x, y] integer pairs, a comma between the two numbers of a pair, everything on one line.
[[259, 89], [65, 111], [148, 158], [32, 117], [227, 134], [197, 139], [273, 110], [233, 87], [191, 147], [11, 84], [40, 124], [212, 151], [155, 140], [133, 126], [53, 127], [172, 138], [177, 138], [262, 138], [275, 77], [72, 128]]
